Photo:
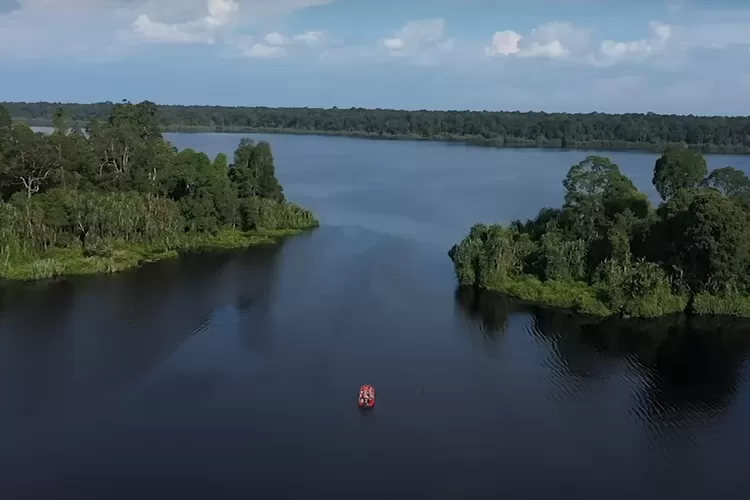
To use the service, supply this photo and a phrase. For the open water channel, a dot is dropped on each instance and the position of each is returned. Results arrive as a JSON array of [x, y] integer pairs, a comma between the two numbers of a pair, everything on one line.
[[234, 375]]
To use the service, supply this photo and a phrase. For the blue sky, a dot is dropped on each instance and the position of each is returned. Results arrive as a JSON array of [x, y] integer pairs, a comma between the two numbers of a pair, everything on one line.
[[677, 56]]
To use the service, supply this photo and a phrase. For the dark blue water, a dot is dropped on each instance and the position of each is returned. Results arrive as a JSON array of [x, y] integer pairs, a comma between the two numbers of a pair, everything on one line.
[[235, 375]]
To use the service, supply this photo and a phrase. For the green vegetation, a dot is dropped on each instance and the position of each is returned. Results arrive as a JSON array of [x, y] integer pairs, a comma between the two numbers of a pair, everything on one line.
[[501, 129], [120, 195], [608, 252]]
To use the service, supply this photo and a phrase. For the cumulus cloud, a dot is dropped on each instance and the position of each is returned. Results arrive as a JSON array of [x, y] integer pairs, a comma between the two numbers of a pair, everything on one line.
[[198, 31], [665, 43], [172, 33], [264, 51], [309, 38], [504, 43], [658, 41], [418, 38], [313, 38], [422, 42], [275, 44], [39, 28], [556, 40], [220, 21], [276, 38]]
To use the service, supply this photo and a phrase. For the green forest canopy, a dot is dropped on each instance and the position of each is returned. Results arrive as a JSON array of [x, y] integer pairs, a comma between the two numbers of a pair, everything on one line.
[[607, 251], [504, 128], [120, 194]]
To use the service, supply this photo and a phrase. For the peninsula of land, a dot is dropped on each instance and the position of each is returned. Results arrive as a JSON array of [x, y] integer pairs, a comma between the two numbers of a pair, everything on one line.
[[119, 195], [608, 252]]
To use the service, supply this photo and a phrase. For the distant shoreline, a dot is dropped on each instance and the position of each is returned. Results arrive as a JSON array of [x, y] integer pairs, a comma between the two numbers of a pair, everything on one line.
[[515, 129], [614, 146]]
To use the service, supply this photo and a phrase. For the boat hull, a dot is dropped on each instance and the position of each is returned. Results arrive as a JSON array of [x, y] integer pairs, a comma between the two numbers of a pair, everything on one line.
[[366, 397]]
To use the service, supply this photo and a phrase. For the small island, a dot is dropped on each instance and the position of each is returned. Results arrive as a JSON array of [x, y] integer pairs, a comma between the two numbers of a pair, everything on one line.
[[117, 195], [608, 252]]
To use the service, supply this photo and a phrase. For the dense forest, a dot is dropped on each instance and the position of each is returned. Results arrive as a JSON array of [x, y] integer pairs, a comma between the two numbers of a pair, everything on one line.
[[512, 129], [118, 194], [607, 251]]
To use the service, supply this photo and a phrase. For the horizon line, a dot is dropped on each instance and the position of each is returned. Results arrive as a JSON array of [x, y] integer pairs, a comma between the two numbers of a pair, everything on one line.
[[360, 108]]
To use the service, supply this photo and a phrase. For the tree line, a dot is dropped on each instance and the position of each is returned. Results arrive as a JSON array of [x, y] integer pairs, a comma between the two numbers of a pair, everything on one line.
[[607, 251], [117, 193], [503, 128]]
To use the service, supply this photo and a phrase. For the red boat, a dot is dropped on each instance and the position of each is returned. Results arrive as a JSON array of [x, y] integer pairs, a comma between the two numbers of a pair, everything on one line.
[[366, 396]]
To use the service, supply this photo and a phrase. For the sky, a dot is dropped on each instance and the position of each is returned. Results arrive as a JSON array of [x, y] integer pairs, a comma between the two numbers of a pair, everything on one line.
[[612, 56]]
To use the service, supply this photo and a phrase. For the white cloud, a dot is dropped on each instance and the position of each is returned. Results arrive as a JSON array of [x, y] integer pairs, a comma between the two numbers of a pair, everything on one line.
[[192, 32], [91, 28], [221, 10], [666, 44], [394, 43], [552, 40], [417, 37], [201, 30], [309, 38], [264, 51], [276, 38], [611, 51], [420, 41], [277, 44], [313, 38], [504, 43]]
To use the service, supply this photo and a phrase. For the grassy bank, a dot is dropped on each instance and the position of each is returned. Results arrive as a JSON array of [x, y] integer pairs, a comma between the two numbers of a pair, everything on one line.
[[121, 255], [582, 298]]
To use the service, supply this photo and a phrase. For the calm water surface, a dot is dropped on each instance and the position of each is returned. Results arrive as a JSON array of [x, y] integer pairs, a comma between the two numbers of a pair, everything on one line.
[[234, 375]]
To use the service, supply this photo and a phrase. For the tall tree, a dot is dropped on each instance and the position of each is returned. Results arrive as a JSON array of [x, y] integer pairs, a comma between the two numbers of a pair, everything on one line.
[[713, 242], [678, 169], [60, 122], [730, 181], [242, 172], [594, 189], [30, 160], [268, 185], [6, 122]]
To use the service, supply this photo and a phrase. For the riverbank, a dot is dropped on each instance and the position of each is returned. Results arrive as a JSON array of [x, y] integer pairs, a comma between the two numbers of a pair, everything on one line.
[[584, 299], [121, 256], [589, 300], [473, 140]]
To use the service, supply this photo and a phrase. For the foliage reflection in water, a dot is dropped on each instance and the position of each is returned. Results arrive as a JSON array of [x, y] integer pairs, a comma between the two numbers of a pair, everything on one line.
[[685, 371]]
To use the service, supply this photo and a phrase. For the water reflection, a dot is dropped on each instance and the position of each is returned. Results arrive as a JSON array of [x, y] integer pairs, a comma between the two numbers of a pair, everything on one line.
[[488, 310], [72, 341], [678, 374]]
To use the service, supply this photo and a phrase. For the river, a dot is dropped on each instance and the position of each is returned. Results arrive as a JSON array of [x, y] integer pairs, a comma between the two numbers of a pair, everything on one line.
[[234, 375]]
